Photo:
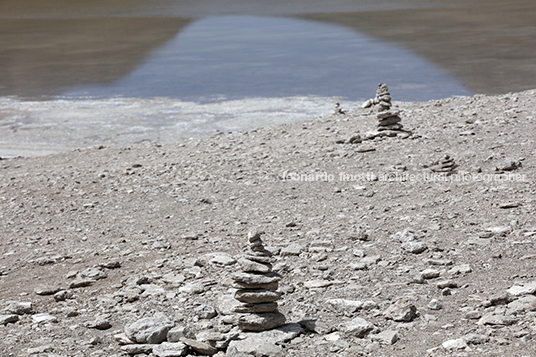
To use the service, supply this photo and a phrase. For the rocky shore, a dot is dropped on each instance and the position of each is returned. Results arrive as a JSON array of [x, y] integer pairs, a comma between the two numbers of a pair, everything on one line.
[[117, 251]]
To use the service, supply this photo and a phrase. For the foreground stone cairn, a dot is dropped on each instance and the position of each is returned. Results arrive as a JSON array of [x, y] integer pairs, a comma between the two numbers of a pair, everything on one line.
[[446, 165], [257, 288]]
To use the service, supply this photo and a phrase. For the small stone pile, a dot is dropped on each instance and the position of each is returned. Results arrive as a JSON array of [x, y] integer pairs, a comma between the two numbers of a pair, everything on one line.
[[446, 165], [387, 119], [257, 288], [338, 109]]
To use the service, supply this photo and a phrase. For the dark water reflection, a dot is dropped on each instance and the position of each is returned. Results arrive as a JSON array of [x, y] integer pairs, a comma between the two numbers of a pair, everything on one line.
[[192, 50]]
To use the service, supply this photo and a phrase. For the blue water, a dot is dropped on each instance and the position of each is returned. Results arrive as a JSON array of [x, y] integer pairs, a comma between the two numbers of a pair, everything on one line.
[[235, 57]]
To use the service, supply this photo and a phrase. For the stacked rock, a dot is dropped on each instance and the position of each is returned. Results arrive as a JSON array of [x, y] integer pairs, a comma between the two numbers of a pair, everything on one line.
[[446, 165], [257, 288], [338, 109], [387, 119]]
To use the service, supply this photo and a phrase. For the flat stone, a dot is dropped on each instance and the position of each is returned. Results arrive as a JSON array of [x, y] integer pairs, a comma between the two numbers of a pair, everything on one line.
[[170, 349], [365, 148], [9, 318], [149, 329], [454, 345], [509, 205], [501, 320], [461, 269], [475, 338], [205, 312], [252, 278], [430, 273], [222, 259], [315, 284], [439, 261], [255, 308], [404, 236], [446, 284], [257, 296], [92, 273], [525, 289], [402, 311], [388, 113], [525, 303], [81, 282], [357, 327], [389, 121], [63, 295], [200, 347], [253, 266], [18, 307], [192, 288], [44, 318], [292, 249], [46, 290], [266, 343], [385, 127], [261, 322]]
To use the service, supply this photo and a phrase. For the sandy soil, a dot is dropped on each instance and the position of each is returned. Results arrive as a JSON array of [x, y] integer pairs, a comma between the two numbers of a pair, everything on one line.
[[164, 210]]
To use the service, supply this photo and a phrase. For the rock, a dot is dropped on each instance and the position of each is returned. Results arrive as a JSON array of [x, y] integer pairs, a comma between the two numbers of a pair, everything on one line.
[[100, 324], [435, 304], [367, 104], [315, 326], [122, 339], [44, 318], [205, 312], [315, 284], [92, 273], [63, 295], [81, 282], [404, 236], [292, 249], [9, 318], [255, 308], [253, 266], [255, 279], [137, 349], [401, 310], [346, 306], [266, 343], [222, 259], [17, 307], [430, 273], [446, 165], [439, 262], [414, 247], [446, 284], [502, 299], [508, 165], [150, 330], [388, 337], [178, 332], [454, 345], [525, 303], [525, 289], [192, 288], [461, 269], [170, 349], [200, 347], [46, 290], [261, 322], [355, 139], [257, 296], [365, 148], [501, 320], [357, 327], [509, 204], [475, 339]]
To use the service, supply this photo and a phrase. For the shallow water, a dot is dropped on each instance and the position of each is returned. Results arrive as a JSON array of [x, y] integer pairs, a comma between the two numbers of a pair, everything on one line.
[[179, 53]]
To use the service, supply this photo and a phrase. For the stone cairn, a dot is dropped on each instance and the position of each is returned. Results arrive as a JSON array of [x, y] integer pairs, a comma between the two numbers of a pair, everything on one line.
[[446, 165], [338, 109], [257, 288], [387, 119]]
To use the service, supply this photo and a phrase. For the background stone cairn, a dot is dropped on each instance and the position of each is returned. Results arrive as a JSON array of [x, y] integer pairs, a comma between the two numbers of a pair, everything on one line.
[[446, 165], [257, 288], [388, 118]]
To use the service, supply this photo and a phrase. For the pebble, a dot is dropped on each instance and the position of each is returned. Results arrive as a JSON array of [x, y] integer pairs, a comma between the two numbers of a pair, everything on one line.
[[401, 311], [388, 337], [205, 312], [475, 338], [435, 304], [525, 289], [315, 284], [446, 284], [430, 273], [345, 306], [501, 320], [178, 332], [46, 290], [291, 249], [454, 345], [17, 307], [138, 349]]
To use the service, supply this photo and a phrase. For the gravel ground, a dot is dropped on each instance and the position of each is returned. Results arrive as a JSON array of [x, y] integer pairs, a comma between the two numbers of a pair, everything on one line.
[[96, 239]]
